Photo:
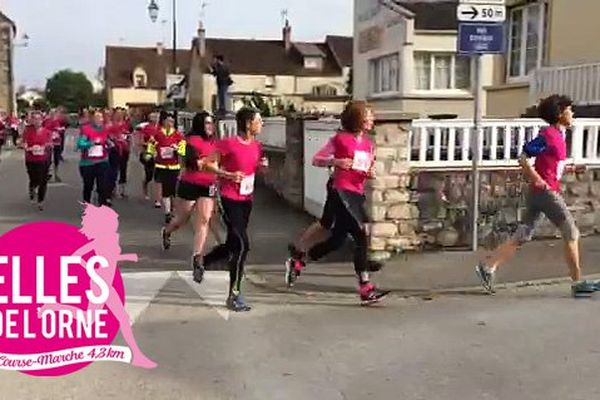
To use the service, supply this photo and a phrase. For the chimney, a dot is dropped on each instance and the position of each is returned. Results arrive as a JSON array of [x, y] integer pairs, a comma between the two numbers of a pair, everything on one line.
[[160, 48], [287, 35], [201, 39]]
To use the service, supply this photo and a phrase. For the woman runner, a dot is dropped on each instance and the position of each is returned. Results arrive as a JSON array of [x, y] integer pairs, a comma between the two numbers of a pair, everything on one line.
[[93, 144], [352, 157], [37, 142], [195, 191], [147, 133], [240, 159], [120, 134], [166, 147]]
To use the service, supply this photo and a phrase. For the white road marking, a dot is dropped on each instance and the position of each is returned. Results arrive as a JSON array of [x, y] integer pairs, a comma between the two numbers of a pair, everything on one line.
[[140, 290], [213, 290]]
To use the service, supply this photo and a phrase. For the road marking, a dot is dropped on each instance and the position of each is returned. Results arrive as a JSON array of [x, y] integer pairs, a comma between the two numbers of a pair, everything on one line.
[[141, 289], [213, 291]]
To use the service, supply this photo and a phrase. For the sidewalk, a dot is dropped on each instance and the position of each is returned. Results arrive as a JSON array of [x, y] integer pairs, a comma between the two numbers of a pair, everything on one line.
[[437, 271]]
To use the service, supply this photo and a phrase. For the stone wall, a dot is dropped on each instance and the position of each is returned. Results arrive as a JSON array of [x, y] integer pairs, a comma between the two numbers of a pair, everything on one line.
[[286, 166]]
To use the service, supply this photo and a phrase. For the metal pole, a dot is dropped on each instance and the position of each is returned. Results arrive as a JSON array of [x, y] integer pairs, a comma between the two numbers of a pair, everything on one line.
[[475, 141], [174, 65]]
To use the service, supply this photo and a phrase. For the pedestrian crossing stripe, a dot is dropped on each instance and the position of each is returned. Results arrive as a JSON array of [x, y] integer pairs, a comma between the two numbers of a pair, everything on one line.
[[141, 288]]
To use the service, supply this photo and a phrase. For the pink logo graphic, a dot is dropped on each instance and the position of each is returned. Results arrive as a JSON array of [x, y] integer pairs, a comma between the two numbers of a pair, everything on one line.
[[62, 297]]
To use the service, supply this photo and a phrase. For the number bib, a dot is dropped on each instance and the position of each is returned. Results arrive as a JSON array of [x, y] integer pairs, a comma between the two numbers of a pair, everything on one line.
[[362, 161], [167, 153], [96, 151], [247, 186], [38, 150]]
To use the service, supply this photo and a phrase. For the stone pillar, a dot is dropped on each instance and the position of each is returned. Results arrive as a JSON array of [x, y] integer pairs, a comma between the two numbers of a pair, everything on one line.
[[389, 202], [293, 168]]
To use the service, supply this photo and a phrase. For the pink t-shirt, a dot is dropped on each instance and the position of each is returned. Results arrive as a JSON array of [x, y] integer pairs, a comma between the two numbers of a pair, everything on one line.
[[37, 144], [203, 149], [550, 165], [243, 157], [360, 150]]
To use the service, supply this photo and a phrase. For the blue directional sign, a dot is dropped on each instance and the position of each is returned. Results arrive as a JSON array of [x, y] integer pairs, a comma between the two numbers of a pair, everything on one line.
[[481, 38]]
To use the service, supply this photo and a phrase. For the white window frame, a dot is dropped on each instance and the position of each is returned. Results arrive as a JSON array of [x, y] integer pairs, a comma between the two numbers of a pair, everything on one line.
[[140, 72], [541, 47], [432, 88], [375, 70]]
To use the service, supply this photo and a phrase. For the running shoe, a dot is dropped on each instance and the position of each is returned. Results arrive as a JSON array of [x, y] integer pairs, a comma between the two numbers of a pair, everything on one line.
[[369, 294], [584, 289], [236, 303], [165, 239], [487, 277], [40, 206], [293, 270], [157, 204], [198, 268]]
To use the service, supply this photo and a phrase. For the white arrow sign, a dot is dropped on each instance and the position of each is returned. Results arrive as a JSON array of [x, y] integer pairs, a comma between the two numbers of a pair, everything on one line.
[[494, 2], [481, 13]]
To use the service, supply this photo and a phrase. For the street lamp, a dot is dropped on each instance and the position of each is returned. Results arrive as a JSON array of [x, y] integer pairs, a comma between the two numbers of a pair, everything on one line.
[[23, 42], [153, 10]]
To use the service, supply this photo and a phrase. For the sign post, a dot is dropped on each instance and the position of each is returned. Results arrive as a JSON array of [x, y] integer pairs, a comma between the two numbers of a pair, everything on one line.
[[480, 31]]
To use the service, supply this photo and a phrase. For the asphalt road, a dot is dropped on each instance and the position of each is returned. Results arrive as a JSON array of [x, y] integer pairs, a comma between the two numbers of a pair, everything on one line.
[[526, 343]]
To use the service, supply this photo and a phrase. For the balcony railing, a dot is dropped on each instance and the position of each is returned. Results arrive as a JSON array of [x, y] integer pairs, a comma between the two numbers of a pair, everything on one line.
[[580, 82]]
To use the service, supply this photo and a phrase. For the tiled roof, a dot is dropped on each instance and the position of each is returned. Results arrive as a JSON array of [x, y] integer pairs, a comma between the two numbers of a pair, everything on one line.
[[341, 47], [122, 61]]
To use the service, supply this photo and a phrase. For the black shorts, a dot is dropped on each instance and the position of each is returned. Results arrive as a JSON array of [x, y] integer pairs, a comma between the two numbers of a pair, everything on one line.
[[191, 192], [168, 179], [328, 217]]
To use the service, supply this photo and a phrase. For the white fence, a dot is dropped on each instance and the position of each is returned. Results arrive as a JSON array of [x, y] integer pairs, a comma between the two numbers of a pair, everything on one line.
[[316, 135], [273, 133], [448, 144], [580, 82]]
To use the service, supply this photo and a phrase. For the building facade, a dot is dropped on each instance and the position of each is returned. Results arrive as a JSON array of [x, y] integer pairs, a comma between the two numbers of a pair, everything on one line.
[[136, 76], [552, 48], [405, 58], [311, 76], [7, 84]]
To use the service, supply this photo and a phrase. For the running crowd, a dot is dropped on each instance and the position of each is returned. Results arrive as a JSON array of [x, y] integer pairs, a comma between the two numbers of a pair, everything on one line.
[[198, 176]]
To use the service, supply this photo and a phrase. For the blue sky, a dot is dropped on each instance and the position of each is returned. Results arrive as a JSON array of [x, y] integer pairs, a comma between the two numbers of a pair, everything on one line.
[[73, 33]]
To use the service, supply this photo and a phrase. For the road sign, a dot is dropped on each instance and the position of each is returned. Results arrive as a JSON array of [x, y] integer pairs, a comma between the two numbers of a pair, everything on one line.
[[494, 2], [481, 38], [481, 13], [176, 87]]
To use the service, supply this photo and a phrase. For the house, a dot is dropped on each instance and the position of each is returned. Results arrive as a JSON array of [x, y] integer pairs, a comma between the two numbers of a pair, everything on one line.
[[553, 47], [309, 75], [8, 31], [405, 58], [136, 76]]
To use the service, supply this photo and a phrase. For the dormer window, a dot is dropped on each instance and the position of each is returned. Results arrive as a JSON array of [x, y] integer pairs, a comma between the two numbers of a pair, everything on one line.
[[313, 62], [140, 78]]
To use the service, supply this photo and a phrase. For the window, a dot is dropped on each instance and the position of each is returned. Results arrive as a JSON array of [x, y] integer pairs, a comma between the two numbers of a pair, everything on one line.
[[140, 79], [442, 71], [526, 44], [384, 74], [324, 91], [270, 82], [313, 63]]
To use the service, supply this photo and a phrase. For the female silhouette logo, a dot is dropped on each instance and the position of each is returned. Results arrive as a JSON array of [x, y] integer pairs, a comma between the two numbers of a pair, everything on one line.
[[100, 225]]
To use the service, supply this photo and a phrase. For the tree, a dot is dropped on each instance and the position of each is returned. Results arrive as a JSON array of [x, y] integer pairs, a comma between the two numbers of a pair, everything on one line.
[[69, 89], [99, 99]]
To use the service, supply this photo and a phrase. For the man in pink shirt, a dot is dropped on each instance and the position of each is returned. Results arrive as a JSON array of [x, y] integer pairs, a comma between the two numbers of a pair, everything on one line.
[[550, 151]]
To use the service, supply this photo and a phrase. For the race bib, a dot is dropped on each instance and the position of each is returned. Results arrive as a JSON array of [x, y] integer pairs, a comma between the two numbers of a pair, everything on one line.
[[38, 150], [167, 153], [247, 186], [96, 151], [362, 161]]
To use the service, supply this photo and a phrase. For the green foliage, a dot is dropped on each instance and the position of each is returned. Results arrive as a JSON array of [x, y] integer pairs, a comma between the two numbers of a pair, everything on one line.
[[41, 104], [69, 89]]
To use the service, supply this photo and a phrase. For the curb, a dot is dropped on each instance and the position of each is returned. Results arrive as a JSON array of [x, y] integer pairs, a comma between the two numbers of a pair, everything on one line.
[[256, 280]]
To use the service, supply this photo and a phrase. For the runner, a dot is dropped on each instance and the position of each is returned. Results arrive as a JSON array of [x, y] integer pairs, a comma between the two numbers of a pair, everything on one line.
[[93, 144], [147, 132], [113, 155], [13, 126], [550, 152], [120, 134], [195, 191], [3, 130], [166, 147], [240, 159], [53, 124], [37, 143], [351, 154]]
